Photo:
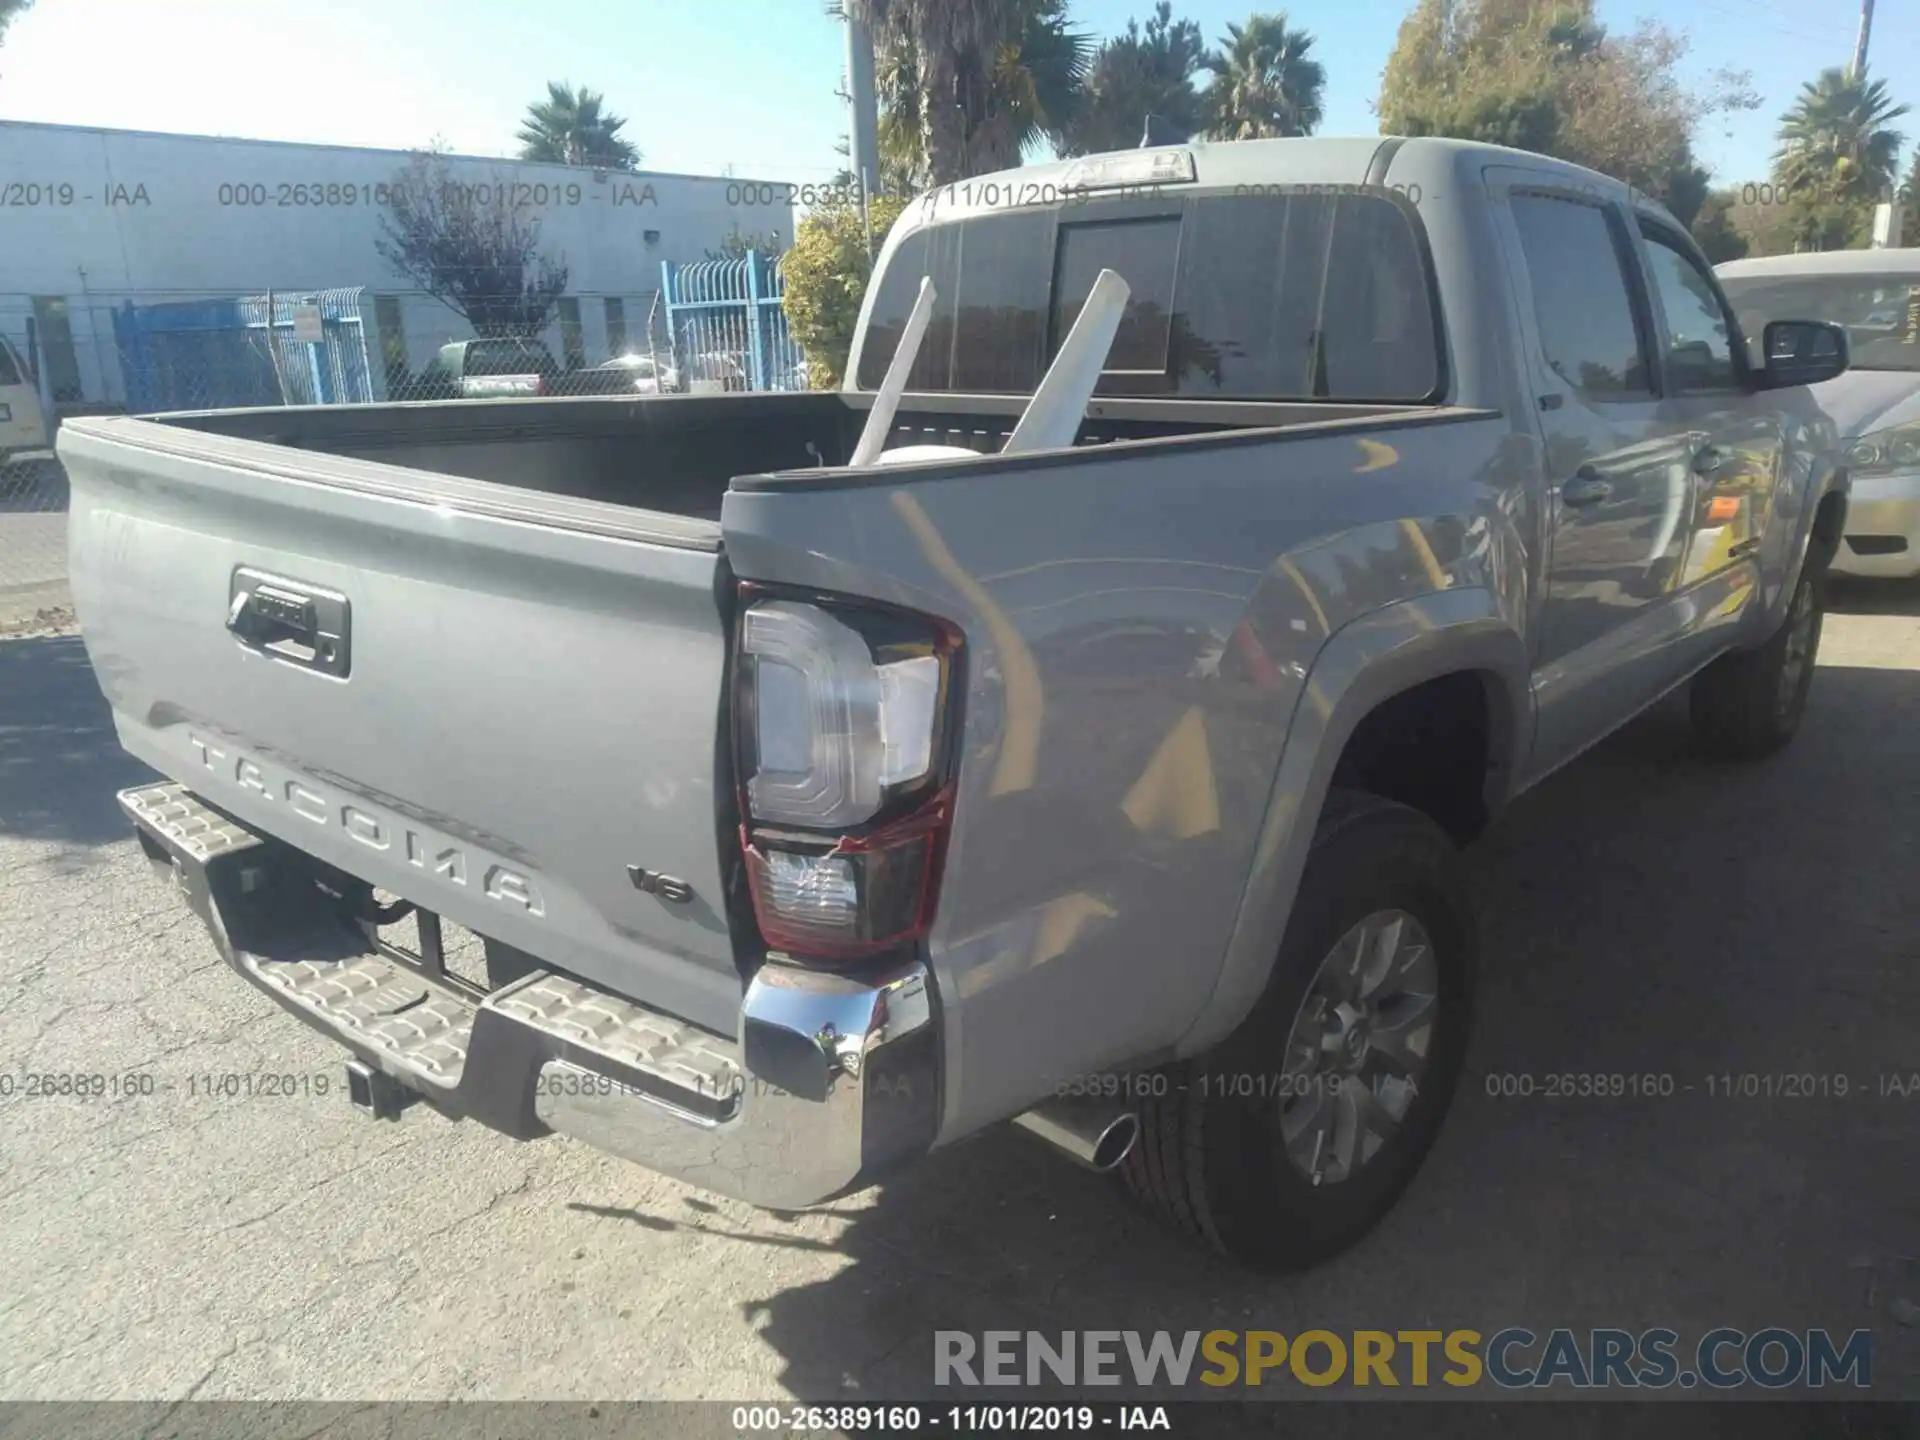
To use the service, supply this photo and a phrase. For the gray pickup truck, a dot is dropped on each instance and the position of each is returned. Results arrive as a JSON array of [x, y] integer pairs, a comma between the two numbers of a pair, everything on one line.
[[815, 815]]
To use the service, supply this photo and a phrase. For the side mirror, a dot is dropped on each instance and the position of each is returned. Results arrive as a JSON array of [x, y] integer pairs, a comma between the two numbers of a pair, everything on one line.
[[1802, 352]]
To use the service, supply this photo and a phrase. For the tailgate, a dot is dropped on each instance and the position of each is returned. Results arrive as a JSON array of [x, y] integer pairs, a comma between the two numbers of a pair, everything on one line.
[[489, 702]]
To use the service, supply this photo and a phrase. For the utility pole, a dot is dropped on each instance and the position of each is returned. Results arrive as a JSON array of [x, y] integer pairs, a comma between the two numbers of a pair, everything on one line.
[[1860, 45], [861, 95], [866, 110]]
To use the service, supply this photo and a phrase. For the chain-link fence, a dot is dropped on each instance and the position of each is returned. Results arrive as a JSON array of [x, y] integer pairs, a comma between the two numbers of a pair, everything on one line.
[[710, 326], [33, 541]]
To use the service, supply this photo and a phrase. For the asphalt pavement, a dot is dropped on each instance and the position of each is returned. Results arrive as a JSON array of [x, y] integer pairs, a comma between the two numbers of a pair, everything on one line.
[[1644, 913]]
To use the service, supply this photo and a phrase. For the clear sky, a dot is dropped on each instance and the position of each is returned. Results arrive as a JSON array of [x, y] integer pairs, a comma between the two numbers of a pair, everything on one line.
[[707, 84]]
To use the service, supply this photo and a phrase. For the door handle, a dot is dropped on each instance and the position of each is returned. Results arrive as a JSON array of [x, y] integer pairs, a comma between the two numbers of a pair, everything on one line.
[[1709, 460], [1585, 488], [302, 624]]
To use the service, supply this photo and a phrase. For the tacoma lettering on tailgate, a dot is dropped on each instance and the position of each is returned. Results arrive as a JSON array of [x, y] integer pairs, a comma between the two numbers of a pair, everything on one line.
[[423, 850]]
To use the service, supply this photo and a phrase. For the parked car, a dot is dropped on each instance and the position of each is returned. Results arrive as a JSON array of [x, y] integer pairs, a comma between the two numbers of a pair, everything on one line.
[[624, 375], [23, 425], [817, 814], [490, 368], [631, 374], [1875, 294], [718, 371]]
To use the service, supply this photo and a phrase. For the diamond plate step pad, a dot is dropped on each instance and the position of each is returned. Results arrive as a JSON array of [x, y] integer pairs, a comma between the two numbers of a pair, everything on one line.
[[630, 1034], [422, 1031], [178, 815]]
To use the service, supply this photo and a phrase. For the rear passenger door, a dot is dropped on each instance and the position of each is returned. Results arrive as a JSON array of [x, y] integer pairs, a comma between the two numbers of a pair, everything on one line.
[[1615, 457]]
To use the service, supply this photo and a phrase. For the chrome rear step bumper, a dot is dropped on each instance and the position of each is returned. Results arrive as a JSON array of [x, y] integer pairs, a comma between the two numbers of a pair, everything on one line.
[[832, 1082]]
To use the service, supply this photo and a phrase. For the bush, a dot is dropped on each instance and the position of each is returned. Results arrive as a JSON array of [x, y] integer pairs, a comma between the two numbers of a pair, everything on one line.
[[826, 276]]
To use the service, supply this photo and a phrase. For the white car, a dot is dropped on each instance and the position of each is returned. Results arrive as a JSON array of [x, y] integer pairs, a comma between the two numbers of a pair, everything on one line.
[[23, 426], [650, 376], [1876, 404]]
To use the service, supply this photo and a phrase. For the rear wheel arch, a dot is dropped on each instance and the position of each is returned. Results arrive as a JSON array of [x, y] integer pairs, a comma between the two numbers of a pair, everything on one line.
[[1440, 746], [1456, 642]]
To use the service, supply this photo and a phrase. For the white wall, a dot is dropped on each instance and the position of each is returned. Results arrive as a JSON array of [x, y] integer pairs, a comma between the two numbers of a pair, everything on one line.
[[103, 216]]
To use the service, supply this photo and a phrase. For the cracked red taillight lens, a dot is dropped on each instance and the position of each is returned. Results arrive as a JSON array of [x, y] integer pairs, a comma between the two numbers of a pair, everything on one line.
[[843, 727]]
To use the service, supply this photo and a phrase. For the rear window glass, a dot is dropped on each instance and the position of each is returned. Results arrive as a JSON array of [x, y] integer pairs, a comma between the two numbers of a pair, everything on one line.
[[1145, 253], [506, 357], [9, 372], [1282, 296]]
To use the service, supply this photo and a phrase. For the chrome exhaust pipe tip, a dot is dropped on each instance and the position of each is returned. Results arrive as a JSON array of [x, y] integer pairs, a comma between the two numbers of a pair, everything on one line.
[[1093, 1134]]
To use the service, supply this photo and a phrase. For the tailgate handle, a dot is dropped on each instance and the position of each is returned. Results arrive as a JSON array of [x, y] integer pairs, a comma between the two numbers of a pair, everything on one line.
[[301, 624]]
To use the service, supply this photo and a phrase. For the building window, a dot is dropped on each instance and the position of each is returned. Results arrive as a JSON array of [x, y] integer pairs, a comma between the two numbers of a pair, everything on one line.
[[393, 341], [616, 326], [573, 340], [61, 363]]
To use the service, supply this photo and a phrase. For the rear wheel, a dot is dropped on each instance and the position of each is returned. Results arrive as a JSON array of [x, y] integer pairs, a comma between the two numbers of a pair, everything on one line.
[[1748, 705], [1290, 1141]]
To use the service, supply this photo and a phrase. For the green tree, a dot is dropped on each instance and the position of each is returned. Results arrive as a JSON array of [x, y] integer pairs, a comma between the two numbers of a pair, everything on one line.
[[1483, 70], [966, 86], [1264, 82], [1838, 158], [1713, 227], [1141, 73], [1839, 135], [737, 244], [1760, 220], [572, 127], [1546, 76], [469, 247], [10, 11], [826, 276]]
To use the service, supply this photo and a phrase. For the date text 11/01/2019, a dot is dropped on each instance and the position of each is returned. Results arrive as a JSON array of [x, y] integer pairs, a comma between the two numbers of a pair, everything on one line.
[[806, 1419]]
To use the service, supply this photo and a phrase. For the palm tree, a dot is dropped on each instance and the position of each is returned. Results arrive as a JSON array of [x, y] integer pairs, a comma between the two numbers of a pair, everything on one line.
[[1263, 83], [1033, 90], [1135, 75], [1835, 143], [968, 85], [10, 11], [569, 127]]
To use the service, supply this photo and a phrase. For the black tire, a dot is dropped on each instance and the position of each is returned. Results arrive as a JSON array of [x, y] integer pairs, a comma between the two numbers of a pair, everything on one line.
[[1210, 1158], [1747, 705]]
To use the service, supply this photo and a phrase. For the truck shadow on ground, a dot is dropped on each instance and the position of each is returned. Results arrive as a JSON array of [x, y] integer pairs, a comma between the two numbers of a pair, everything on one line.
[[1873, 597], [1645, 913], [60, 761]]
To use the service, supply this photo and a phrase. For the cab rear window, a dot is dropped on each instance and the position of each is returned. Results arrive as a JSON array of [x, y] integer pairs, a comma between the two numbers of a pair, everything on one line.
[[507, 357], [1276, 296]]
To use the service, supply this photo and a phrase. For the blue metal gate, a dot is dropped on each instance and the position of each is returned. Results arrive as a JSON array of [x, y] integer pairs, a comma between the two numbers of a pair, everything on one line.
[[332, 370], [728, 327], [228, 353], [190, 355]]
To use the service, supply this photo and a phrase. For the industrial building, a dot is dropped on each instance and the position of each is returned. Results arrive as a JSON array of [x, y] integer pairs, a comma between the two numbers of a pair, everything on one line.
[[112, 240]]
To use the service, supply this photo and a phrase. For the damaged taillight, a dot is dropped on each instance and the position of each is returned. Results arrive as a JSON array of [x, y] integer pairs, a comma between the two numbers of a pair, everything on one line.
[[843, 726]]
